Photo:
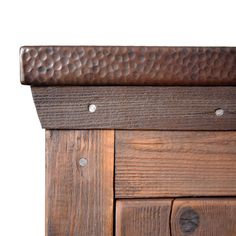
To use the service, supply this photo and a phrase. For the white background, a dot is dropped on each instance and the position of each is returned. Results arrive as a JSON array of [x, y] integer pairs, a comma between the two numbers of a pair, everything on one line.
[[99, 22]]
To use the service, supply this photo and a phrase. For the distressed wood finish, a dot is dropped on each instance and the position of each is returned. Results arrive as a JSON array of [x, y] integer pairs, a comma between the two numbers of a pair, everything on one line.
[[79, 200], [143, 217], [204, 217], [177, 163], [154, 108]]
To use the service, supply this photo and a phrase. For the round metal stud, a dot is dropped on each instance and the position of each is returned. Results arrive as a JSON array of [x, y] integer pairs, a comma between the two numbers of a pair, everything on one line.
[[219, 112], [92, 108], [83, 162]]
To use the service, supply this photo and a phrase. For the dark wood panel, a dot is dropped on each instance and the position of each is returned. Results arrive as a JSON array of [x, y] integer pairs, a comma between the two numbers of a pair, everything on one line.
[[177, 163], [154, 108], [204, 217], [143, 217], [79, 183]]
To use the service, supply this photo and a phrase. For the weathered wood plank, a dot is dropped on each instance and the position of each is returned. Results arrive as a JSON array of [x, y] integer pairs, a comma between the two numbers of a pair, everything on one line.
[[154, 108], [204, 217], [177, 163], [79, 195], [143, 217]]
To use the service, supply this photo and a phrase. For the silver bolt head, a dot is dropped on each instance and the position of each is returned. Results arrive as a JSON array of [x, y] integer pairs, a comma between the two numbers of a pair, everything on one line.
[[83, 162], [92, 108], [219, 112]]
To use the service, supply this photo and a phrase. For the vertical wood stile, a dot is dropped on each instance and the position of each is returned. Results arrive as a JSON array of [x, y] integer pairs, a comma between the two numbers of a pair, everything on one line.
[[79, 199]]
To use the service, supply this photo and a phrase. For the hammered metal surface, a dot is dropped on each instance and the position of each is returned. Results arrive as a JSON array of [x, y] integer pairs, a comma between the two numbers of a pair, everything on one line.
[[113, 65]]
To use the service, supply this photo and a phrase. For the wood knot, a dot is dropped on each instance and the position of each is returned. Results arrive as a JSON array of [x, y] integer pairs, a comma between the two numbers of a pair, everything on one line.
[[189, 220]]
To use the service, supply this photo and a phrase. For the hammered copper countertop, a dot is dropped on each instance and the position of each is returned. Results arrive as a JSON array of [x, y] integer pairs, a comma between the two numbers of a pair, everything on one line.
[[127, 65]]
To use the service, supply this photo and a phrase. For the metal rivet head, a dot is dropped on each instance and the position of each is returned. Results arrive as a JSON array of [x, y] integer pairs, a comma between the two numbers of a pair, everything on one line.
[[92, 108], [83, 162], [219, 112]]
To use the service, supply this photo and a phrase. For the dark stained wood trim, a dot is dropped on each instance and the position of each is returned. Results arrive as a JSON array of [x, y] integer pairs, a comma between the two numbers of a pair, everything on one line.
[[153, 108], [175, 164], [79, 182]]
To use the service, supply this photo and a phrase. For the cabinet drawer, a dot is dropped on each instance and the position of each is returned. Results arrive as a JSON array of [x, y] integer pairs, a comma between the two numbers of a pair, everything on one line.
[[176, 163], [182, 217]]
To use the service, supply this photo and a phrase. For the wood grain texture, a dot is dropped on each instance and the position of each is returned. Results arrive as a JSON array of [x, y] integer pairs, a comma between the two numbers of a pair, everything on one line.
[[143, 217], [177, 163], [204, 217], [153, 108], [79, 199]]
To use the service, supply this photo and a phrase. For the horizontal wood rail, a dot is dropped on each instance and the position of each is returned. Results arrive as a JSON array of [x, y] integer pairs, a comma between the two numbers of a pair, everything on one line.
[[154, 108], [175, 163]]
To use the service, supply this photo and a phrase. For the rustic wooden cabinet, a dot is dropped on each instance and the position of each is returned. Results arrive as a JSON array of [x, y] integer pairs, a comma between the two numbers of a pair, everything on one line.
[[140, 141]]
